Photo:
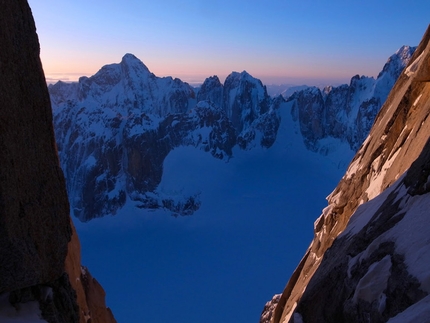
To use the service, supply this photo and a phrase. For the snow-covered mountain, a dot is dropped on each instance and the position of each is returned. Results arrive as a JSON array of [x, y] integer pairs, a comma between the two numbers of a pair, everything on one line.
[[368, 261], [346, 112], [115, 129]]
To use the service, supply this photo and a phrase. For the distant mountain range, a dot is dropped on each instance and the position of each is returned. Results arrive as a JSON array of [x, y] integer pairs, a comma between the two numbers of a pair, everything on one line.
[[115, 129], [346, 112]]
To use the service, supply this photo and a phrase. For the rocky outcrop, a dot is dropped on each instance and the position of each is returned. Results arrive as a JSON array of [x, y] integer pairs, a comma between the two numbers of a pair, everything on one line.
[[90, 295], [244, 99], [346, 112], [269, 309], [211, 91], [35, 225], [367, 260]]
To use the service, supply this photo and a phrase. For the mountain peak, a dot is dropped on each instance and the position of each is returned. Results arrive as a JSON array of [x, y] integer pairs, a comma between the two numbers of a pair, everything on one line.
[[240, 75], [236, 78], [130, 59], [405, 52], [397, 61], [129, 56], [212, 80]]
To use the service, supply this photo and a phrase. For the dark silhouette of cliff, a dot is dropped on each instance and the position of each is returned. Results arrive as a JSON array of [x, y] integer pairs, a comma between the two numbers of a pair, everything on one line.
[[36, 235]]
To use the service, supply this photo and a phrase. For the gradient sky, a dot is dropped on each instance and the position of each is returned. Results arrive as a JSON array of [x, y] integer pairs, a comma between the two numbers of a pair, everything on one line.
[[304, 41]]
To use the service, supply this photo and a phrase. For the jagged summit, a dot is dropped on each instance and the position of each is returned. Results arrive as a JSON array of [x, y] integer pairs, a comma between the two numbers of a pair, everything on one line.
[[244, 75], [129, 73], [211, 90], [346, 112], [398, 60], [125, 87], [134, 67], [119, 125], [244, 99]]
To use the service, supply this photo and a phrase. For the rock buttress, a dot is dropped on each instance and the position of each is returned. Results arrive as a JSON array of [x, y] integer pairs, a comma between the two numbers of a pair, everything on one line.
[[35, 225]]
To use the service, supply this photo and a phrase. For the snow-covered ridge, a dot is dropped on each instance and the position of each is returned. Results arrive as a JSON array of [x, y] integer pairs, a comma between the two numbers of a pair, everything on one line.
[[115, 128], [346, 112]]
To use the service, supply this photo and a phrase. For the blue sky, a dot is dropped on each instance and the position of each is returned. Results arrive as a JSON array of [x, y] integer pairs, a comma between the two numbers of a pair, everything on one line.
[[277, 41]]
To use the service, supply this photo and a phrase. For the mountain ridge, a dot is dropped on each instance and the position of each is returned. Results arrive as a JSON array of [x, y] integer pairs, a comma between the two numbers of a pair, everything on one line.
[[115, 128], [371, 203], [346, 112], [137, 132]]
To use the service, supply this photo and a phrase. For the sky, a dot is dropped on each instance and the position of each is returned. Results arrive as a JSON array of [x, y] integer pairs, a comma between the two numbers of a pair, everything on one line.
[[295, 42]]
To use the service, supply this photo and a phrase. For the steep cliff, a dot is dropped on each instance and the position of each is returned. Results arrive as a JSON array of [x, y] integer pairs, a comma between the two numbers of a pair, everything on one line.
[[35, 225], [115, 128], [376, 270]]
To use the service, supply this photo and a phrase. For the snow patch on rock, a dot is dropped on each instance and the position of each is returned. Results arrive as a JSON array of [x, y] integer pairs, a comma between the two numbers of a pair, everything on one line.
[[374, 282]]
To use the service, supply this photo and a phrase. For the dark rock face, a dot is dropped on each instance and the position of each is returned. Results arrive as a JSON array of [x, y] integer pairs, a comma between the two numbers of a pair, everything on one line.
[[244, 99], [34, 209], [56, 299], [310, 107], [262, 131], [35, 227], [359, 268]]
